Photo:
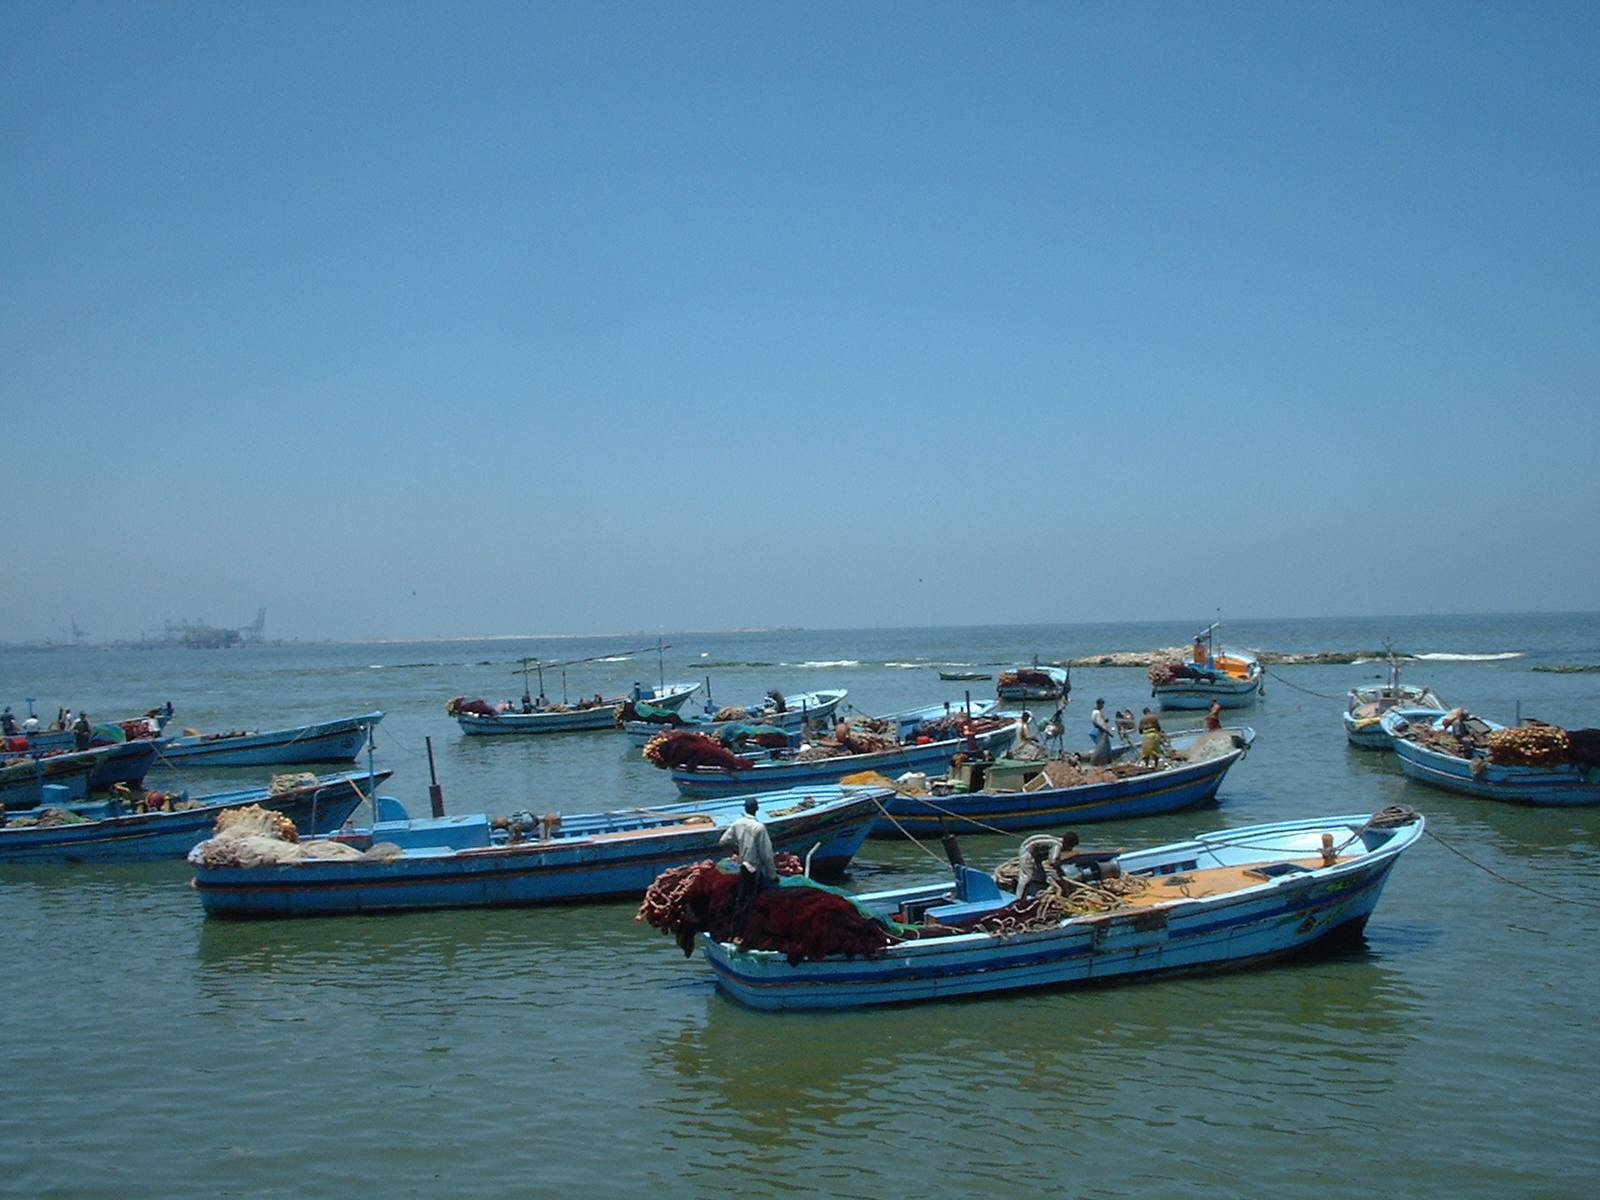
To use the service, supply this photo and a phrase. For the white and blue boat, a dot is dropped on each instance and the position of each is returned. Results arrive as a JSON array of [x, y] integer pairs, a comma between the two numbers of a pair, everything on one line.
[[784, 770], [74, 773], [541, 716], [109, 831], [1034, 683], [1174, 788], [1220, 900], [328, 742], [1232, 679], [460, 862], [1366, 707], [1475, 773], [796, 712]]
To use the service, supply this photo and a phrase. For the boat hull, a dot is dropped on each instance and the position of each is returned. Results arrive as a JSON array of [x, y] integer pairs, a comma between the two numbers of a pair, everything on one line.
[[329, 742], [790, 721], [591, 868], [935, 756], [1277, 918], [146, 837], [1169, 791], [1556, 787], [1194, 694]]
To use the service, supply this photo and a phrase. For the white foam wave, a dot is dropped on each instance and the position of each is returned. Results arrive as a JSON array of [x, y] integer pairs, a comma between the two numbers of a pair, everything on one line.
[[1443, 657], [616, 658], [837, 662], [905, 666]]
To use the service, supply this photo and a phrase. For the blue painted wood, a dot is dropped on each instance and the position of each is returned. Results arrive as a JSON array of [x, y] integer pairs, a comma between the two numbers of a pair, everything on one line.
[[784, 773], [141, 837], [1280, 915], [79, 771], [807, 706], [570, 720], [1172, 790], [327, 742], [1565, 786], [1197, 694], [589, 856]]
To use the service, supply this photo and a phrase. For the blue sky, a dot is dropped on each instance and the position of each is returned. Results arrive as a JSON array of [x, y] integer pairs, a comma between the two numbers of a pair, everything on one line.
[[410, 321]]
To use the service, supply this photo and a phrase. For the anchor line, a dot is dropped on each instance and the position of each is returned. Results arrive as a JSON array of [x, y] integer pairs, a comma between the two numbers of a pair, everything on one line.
[[1503, 879], [1297, 687]]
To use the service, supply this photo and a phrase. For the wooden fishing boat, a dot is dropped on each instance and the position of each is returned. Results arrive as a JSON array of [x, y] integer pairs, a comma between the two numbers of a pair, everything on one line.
[[965, 676], [797, 710], [74, 774], [328, 742], [1220, 900], [109, 831], [1364, 710], [784, 770], [1233, 678], [457, 862], [541, 716], [1017, 802], [1034, 683], [1471, 768]]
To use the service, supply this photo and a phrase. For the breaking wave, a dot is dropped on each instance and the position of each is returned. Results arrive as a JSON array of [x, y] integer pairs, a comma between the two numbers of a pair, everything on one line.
[[1443, 657]]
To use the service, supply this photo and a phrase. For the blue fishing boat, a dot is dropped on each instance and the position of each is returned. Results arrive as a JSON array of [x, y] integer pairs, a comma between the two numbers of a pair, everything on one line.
[[460, 862], [112, 831], [1220, 900], [788, 713], [1034, 683], [23, 777], [328, 742], [1232, 679], [1366, 707], [1113, 793], [480, 719], [1461, 755], [786, 769]]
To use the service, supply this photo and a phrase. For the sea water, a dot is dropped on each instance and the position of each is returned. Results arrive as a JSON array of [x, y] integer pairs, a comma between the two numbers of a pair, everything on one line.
[[148, 1052]]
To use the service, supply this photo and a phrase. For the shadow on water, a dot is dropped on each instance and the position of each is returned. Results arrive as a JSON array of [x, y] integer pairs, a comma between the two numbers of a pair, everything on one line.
[[818, 1069]]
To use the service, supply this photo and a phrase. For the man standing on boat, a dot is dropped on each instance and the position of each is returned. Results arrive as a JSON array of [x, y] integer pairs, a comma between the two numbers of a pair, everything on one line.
[[1102, 734], [1214, 715], [1149, 739], [758, 865], [82, 732]]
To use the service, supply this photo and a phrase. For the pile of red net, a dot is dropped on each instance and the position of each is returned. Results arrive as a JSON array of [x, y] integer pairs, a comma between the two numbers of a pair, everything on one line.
[[799, 922], [460, 704], [682, 750]]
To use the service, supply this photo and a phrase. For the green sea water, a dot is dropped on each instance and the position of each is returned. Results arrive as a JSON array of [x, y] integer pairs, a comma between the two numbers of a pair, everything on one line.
[[147, 1052]]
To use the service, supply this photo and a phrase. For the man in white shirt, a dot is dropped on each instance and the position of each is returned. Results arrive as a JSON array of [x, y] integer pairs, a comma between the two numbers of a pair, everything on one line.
[[752, 845]]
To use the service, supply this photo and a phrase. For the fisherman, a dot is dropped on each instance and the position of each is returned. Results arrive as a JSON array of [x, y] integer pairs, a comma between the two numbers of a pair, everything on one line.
[[1214, 714], [752, 846], [82, 731], [1101, 726], [1040, 857], [30, 724], [8, 723], [1150, 739]]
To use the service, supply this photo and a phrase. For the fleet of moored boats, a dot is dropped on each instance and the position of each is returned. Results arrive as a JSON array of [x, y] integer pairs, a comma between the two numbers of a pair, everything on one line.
[[822, 783]]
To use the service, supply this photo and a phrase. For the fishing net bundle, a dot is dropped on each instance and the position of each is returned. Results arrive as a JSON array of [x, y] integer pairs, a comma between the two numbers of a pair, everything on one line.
[[631, 710], [684, 750], [1528, 746], [253, 836], [799, 919], [457, 705]]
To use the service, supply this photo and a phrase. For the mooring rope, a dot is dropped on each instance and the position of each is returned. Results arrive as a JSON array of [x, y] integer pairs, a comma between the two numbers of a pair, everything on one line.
[[1297, 687], [1503, 879]]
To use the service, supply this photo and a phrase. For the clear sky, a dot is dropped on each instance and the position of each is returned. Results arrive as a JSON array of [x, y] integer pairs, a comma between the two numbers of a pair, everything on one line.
[[418, 320]]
